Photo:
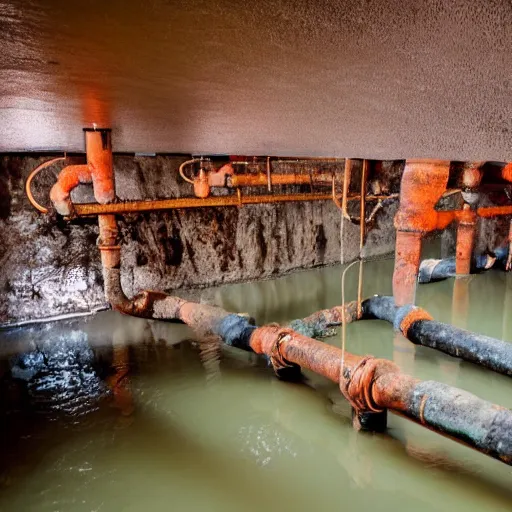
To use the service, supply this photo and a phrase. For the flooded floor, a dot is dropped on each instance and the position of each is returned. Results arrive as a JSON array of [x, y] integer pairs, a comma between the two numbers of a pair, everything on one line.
[[114, 413]]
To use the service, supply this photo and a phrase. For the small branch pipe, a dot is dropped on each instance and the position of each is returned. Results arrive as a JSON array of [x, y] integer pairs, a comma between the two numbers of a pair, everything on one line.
[[99, 170], [417, 326], [32, 175]]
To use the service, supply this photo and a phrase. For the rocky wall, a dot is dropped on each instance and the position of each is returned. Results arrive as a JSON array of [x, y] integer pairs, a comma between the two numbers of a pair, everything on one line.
[[51, 267]]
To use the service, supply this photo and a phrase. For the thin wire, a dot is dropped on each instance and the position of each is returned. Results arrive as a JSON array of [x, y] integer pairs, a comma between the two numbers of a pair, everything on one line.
[[182, 169], [359, 260], [32, 175], [343, 323]]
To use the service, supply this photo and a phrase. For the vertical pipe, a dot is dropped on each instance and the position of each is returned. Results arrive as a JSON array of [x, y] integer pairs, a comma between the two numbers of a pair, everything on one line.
[[98, 146], [269, 169], [465, 243], [423, 184], [508, 266], [407, 262], [362, 205], [346, 183]]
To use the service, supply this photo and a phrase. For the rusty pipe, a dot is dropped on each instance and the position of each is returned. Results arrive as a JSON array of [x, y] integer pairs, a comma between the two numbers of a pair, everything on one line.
[[88, 209], [69, 178], [494, 211], [98, 170], [32, 175], [261, 180], [423, 184], [466, 230], [407, 264], [465, 244], [369, 384], [374, 385]]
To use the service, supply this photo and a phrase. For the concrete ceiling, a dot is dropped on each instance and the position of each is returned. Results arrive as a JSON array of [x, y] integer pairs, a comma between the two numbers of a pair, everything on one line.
[[359, 78]]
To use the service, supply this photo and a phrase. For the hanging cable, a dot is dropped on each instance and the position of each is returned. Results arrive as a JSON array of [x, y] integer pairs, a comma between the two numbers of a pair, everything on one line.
[[32, 175], [182, 169]]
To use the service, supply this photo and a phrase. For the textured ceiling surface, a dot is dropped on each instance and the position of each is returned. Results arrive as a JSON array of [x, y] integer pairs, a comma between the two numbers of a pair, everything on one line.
[[359, 78]]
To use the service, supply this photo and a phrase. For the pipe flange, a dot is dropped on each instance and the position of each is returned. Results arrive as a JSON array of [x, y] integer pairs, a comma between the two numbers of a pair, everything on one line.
[[407, 315]]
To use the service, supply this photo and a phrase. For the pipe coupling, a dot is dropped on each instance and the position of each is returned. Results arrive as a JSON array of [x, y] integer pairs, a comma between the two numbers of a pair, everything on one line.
[[356, 384]]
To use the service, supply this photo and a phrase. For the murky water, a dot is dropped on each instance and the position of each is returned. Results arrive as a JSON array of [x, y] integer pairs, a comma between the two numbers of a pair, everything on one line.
[[115, 413]]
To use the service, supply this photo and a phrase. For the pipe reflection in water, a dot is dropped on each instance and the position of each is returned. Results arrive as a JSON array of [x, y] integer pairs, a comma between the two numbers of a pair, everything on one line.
[[119, 382], [60, 374]]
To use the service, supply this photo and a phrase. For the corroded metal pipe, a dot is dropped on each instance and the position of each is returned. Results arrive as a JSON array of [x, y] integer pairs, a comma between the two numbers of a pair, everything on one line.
[[99, 169], [371, 385], [466, 230], [261, 180], [420, 328], [423, 184], [89, 209], [438, 269]]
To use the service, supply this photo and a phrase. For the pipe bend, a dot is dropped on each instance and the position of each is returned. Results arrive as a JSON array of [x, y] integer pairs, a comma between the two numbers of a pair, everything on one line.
[[423, 184], [69, 178]]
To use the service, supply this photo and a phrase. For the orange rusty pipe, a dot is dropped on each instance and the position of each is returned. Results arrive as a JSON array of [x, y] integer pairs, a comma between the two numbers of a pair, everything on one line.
[[369, 384], [32, 175], [98, 146], [69, 178], [407, 263], [506, 172], [375, 385], [423, 184], [465, 243], [494, 211], [88, 209], [99, 170], [466, 230], [260, 180]]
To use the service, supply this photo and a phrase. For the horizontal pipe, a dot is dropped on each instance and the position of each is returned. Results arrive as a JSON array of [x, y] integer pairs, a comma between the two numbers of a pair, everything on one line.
[[250, 180], [417, 327], [373, 384], [87, 209], [438, 269], [369, 384], [494, 211], [90, 209]]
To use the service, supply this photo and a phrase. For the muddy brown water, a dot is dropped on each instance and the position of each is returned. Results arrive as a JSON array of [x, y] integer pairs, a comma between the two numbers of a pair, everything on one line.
[[114, 413]]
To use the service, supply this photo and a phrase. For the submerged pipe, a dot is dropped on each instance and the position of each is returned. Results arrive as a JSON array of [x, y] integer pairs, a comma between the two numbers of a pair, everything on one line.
[[438, 269], [419, 327], [371, 385]]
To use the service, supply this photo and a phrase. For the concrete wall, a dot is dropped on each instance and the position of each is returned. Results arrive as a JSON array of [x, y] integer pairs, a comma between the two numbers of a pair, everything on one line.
[[51, 267], [379, 79]]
